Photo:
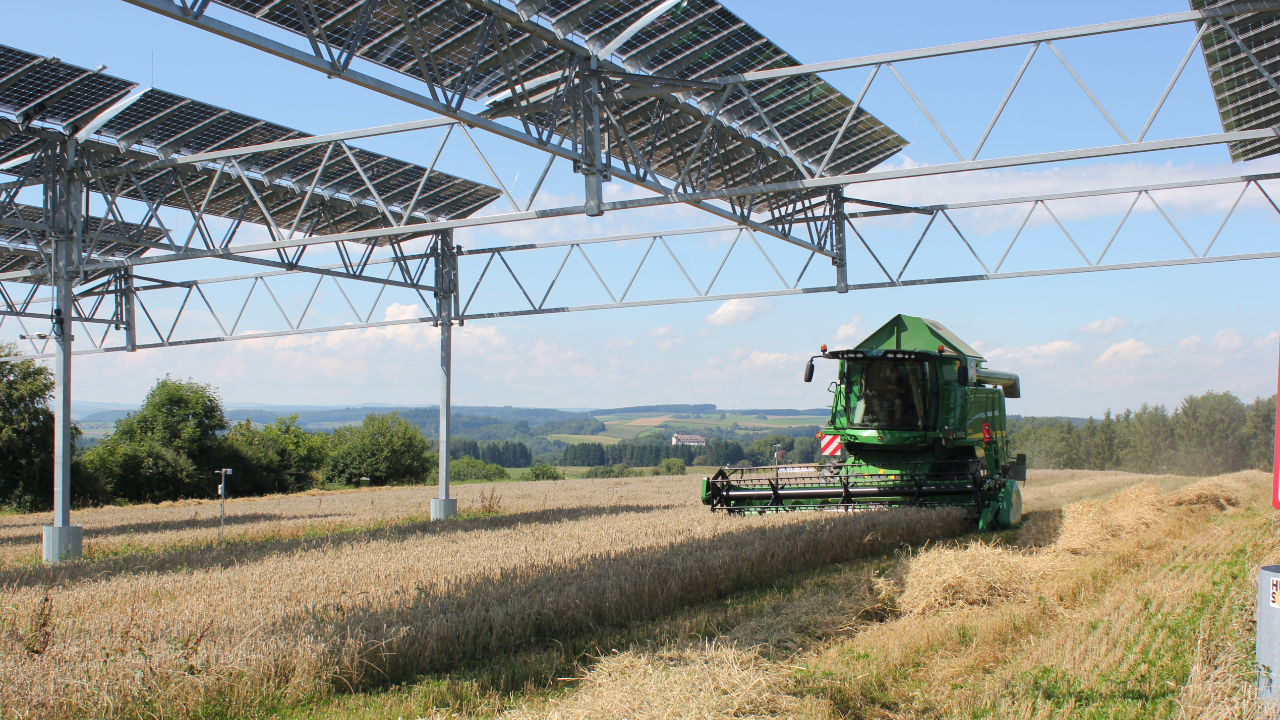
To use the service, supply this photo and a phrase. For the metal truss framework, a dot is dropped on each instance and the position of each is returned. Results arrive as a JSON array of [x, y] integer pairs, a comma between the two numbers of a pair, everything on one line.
[[612, 96]]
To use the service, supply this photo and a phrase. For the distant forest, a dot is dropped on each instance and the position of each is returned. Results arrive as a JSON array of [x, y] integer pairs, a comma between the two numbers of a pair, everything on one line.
[[1207, 434]]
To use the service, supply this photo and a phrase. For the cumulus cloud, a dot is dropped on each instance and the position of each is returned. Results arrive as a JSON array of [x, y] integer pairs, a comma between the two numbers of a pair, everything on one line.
[[1229, 340], [740, 311], [664, 338], [1104, 327], [850, 332], [1035, 354], [1125, 352]]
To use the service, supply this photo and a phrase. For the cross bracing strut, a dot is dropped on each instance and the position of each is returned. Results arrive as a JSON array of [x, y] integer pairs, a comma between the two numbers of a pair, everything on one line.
[[422, 228], [1179, 262], [494, 259]]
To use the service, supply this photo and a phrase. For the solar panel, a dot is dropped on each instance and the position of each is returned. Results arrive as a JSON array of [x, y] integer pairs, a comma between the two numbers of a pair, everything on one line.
[[38, 92], [691, 40], [24, 246], [1246, 99]]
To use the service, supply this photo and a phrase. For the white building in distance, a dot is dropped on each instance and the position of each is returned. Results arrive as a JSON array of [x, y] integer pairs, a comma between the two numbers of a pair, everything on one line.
[[679, 439]]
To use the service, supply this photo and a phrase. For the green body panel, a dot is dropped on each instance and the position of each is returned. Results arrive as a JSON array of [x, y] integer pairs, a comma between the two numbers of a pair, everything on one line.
[[914, 433]]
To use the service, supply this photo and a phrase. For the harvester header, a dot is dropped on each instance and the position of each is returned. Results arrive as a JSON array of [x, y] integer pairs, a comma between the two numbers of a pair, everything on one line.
[[919, 421]]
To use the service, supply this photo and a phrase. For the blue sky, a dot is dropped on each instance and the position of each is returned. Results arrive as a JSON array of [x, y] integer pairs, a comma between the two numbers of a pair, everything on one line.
[[1083, 343]]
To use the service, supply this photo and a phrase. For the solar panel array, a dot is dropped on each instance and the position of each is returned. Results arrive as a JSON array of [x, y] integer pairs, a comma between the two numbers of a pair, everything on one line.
[[1246, 99], [693, 40], [39, 93]]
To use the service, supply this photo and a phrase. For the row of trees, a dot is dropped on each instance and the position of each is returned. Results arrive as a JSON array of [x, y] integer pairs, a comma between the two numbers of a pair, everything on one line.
[[1207, 434], [508, 453], [715, 452]]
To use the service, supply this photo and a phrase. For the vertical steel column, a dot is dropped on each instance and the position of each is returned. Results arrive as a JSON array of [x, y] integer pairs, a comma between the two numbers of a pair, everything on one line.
[[591, 149], [63, 198], [130, 313], [838, 221], [445, 507]]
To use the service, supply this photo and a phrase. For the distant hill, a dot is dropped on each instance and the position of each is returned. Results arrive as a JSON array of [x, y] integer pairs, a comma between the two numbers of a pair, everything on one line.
[[689, 409], [104, 416], [781, 412]]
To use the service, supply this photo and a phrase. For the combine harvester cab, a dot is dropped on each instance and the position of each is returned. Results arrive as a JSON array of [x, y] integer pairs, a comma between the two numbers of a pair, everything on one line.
[[916, 420]]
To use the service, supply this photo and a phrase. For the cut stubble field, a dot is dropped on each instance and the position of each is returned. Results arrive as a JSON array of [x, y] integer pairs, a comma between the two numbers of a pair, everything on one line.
[[324, 602]]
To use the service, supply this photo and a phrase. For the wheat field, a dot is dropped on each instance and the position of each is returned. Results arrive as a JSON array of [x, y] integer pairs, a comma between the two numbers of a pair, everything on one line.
[[320, 596], [344, 592]]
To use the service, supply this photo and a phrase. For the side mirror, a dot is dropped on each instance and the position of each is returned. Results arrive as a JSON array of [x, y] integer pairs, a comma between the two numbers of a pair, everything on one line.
[[808, 371], [962, 376]]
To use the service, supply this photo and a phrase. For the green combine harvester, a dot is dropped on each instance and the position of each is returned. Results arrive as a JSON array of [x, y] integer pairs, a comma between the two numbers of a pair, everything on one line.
[[916, 420]]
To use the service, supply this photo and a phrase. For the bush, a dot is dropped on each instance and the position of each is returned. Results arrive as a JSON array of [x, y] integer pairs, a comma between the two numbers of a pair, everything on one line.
[[280, 457], [143, 471], [671, 466], [469, 469], [702, 460], [385, 448], [543, 471]]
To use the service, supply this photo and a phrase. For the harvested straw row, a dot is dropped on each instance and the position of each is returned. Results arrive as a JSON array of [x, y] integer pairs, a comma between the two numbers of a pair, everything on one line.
[[711, 681], [948, 577]]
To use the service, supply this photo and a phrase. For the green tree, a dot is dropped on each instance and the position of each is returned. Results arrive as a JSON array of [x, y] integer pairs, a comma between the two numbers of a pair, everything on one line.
[[279, 457], [141, 471], [1208, 432], [1260, 434], [384, 448], [1146, 441], [167, 449], [186, 417], [26, 431], [26, 438], [543, 471], [671, 466], [469, 469]]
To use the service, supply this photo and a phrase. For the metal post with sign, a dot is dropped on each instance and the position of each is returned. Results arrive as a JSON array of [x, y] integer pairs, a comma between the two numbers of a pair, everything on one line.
[[222, 495], [1268, 614], [1268, 647]]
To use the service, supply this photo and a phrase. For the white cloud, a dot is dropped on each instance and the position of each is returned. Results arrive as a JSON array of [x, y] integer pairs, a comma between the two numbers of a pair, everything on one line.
[[1125, 352], [740, 311], [1034, 354], [850, 332], [664, 338], [1104, 327], [1229, 340]]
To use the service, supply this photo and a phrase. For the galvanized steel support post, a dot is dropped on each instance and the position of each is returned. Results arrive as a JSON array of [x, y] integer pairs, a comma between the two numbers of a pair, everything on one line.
[[838, 221], [446, 258], [130, 312], [64, 197], [592, 170]]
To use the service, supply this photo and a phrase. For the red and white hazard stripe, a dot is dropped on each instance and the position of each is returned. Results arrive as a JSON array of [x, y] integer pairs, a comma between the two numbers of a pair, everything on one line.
[[831, 445]]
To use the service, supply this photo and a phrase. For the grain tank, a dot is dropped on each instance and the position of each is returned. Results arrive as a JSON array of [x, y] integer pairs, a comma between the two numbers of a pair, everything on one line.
[[916, 419]]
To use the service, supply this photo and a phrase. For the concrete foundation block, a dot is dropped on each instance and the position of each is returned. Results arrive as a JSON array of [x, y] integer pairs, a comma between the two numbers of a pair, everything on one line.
[[63, 543], [443, 509]]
